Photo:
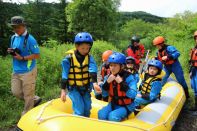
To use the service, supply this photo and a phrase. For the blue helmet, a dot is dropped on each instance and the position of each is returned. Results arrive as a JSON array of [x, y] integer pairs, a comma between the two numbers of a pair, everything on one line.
[[130, 59], [83, 37], [155, 63], [117, 58]]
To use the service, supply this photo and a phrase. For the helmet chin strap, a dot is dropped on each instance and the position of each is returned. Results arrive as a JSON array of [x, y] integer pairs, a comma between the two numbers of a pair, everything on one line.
[[119, 70]]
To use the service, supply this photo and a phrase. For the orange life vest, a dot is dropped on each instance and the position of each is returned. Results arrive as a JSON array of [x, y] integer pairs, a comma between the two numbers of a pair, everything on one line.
[[193, 57], [118, 96], [164, 53]]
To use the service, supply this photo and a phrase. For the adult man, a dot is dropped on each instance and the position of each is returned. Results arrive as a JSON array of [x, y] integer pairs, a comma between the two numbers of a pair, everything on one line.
[[25, 50], [136, 50]]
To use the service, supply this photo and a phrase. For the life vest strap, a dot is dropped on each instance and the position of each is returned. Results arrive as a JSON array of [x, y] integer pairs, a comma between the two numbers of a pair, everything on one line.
[[79, 72]]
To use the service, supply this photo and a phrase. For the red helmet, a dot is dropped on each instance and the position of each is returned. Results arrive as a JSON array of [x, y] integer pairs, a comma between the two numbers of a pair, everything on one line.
[[158, 40], [106, 55]]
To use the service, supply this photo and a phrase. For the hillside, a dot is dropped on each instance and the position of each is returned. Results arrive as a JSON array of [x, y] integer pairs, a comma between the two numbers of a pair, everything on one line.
[[147, 17]]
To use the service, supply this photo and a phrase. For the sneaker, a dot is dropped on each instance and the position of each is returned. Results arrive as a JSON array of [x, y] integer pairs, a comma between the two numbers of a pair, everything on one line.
[[37, 102]]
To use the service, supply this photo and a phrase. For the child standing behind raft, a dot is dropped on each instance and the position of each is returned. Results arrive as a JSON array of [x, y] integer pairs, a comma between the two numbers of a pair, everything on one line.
[[79, 73]]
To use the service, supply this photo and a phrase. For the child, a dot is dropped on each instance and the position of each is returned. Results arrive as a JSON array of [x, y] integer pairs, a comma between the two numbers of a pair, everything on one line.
[[168, 55], [79, 72], [104, 72], [130, 67], [105, 66], [150, 87], [122, 89], [193, 70]]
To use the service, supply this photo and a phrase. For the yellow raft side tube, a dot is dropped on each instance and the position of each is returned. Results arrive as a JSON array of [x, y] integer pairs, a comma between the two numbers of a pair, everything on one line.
[[57, 116]]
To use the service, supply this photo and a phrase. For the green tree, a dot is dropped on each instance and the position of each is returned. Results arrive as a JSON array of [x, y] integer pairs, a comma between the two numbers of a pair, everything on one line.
[[95, 16], [60, 23], [7, 10], [46, 20], [135, 27]]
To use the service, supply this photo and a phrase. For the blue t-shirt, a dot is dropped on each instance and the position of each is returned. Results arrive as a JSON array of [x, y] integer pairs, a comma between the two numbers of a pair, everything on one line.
[[30, 48]]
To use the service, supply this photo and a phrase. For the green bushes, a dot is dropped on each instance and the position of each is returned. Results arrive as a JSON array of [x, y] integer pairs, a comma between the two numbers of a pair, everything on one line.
[[99, 47]]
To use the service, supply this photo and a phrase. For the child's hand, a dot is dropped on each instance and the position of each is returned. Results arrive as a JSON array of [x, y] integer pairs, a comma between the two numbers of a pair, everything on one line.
[[164, 58], [97, 88], [63, 95], [111, 78], [118, 79], [139, 95]]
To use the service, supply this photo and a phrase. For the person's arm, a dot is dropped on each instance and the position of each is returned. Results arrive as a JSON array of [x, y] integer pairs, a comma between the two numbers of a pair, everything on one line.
[[173, 53], [129, 86], [65, 71], [93, 69], [137, 77], [64, 82], [33, 48], [106, 84], [31, 57], [93, 74]]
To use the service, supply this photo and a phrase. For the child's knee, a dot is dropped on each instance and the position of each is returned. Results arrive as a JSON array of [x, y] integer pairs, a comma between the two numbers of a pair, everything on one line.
[[102, 115], [114, 117]]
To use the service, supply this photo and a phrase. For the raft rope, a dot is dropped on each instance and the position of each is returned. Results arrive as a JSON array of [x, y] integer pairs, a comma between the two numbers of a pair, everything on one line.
[[41, 120], [164, 123]]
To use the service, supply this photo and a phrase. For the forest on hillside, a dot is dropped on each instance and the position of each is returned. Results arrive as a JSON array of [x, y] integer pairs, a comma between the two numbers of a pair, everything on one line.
[[61, 21]]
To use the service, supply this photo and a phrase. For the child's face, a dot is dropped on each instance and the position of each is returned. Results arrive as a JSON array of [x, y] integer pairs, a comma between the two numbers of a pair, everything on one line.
[[152, 70], [195, 39], [114, 68], [129, 65], [83, 48], [159, 46], [135, 44]]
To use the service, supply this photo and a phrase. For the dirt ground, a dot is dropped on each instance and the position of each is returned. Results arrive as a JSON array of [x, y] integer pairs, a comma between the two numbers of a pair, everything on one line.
[[185, 122]]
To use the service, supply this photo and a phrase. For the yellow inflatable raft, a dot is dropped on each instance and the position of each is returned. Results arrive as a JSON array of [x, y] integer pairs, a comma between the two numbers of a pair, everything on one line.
[[57, 116]]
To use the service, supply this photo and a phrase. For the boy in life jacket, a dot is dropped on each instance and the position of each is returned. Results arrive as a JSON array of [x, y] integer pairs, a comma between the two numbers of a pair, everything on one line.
[[122, 89], [193, 70], [136, 50], [79, 74], [104, 72], [130, 67], [150, 86], [168, 55]]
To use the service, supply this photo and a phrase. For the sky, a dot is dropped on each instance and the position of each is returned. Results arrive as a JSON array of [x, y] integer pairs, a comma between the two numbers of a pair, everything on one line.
[[164, 8]]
